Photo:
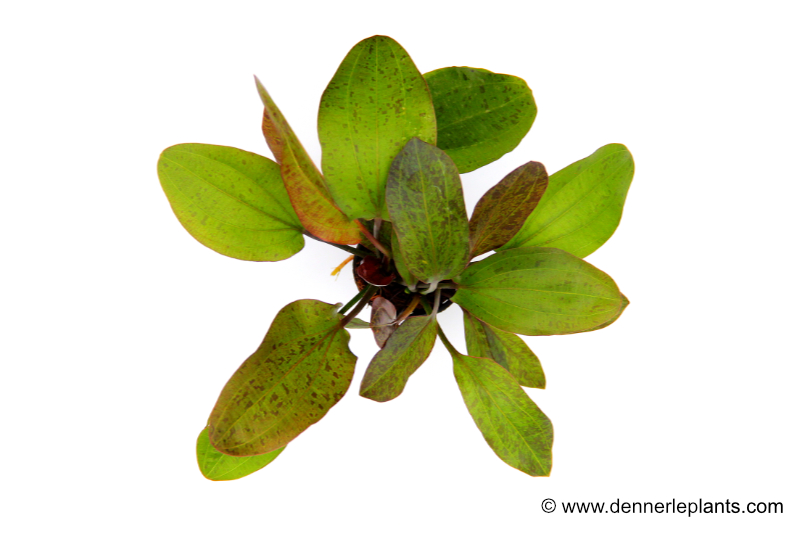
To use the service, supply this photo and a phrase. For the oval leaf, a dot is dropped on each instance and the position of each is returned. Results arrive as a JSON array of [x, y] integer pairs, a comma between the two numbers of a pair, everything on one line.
[[302, 369], [217, 466], [404, 353], [230, 200], [513, 426], [583, 204], [375, 103], [502, 211], [382, 316], [307, 190], [480, 115], [426, 203], [538, 291], [508, 350], [400, 265]]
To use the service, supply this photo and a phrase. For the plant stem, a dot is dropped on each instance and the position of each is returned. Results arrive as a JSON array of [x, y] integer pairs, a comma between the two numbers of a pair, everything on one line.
[[407, 311], [348, 249], [375, 242], [364, 300], [436, 299], [352, 302], [446, 342]]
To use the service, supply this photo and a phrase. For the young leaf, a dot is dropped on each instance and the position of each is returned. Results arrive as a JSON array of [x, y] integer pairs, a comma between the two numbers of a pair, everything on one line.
[[302, 368], [502, 211], [404, 353], [513, 426], [480, 115], [424, 197], [583, 204], [217, 466], [538, 291], [382, 316], [307, 190], [375, 103], [230, 200], [508, 350]]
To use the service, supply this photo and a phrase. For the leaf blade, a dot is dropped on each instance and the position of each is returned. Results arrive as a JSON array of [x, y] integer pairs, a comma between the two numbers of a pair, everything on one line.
[[508, 350], [511, 423], [217, 466], [538, 291], [583, 204], [502, 211], [376, 101], [307, 189], [231, 201], [481, 115], [404, 352], [301, 369], [426, 202]]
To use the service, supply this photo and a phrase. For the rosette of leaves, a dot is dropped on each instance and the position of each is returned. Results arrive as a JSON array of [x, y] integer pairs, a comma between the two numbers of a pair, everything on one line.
[[394, 144]]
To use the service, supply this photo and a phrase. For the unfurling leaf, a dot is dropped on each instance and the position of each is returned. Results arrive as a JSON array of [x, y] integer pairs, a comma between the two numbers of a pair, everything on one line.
[[307, 190], [403, 354], [302, 368], [502, 211], [480, 115], [230, 200], [426, 203], [508, 350], [373, 271], [582, 205], [538, 291], [217, 466], [383, 314], [375, 103], [513, 426]]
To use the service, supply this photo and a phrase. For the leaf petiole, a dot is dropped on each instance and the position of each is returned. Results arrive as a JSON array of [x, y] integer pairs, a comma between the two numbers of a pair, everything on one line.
[[348, 249], [365, 298]]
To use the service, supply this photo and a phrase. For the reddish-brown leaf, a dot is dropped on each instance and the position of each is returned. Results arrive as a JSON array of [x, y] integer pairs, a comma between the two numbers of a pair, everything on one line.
[[503, 210], [307, 190]]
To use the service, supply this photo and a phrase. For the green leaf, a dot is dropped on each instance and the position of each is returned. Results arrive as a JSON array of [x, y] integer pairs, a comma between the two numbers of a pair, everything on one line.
[[307, 190], [302, 368], [513, 426], [502, 211], [217, 466], [400, 265], [583, 204], [480, 115], [357, 323], [424, 197], [230, 200], [375, 103], [403, 354], [508, 350], [538, 291]]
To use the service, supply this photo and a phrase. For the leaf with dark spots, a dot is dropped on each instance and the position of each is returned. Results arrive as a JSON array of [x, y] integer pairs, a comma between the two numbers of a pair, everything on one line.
[[507, 349], [382, 316], [302, 368], [538, 291], [375, 103], [502, 211], [400, 265], [583, 204], [513, 426], [480, 115], [307, 190], [230, 200], [404, 352], [217, 466], [372, 271], [426, 202]]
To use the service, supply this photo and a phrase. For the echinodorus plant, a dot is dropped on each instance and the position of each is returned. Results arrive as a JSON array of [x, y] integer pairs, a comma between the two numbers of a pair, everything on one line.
[[394, 145]]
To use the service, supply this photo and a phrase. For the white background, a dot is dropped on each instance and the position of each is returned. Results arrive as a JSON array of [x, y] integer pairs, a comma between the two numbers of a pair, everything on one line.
[[119, 330]]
